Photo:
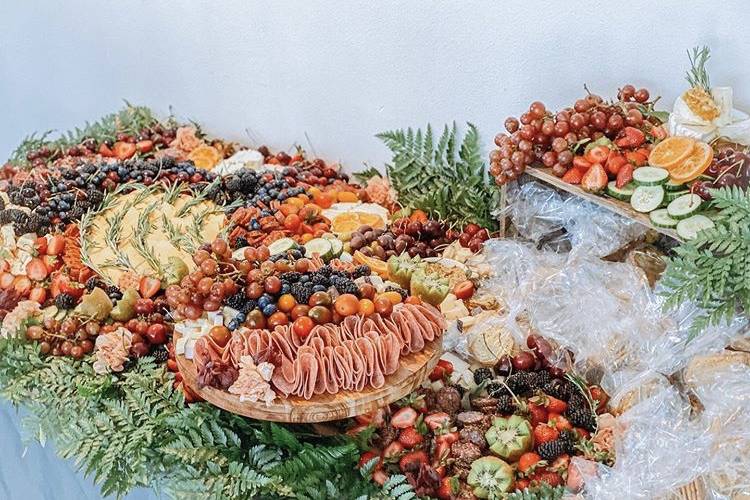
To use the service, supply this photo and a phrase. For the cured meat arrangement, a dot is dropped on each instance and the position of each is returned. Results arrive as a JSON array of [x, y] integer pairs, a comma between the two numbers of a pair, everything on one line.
[[357, 353]]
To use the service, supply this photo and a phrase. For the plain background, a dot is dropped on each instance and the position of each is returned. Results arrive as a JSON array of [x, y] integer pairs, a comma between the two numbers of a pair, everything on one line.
[[335, 72]]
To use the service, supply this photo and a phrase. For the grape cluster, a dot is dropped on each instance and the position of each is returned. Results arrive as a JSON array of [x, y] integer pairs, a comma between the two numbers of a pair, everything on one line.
[[539, 136], [425, 239], [728, 168]]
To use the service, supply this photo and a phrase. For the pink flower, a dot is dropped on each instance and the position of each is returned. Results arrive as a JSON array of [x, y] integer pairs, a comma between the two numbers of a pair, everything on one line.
[[112, 351], [186, 139], [14, 319], [604, 438]]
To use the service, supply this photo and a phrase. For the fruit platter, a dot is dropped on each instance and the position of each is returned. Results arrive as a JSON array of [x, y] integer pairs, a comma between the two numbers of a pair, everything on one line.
[[221, 320]]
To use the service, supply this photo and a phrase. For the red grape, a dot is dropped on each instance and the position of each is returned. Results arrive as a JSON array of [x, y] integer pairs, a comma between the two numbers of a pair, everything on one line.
[[641, 95], [549, 158], [537, 109], [627, 92], [548, 127], [565, 158], [526, 118], [634, 118], [511, 124], [559, 144], [562, 128]]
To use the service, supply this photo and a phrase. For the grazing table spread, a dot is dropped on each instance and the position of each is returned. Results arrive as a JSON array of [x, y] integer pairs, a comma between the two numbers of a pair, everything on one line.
[[214, 320]]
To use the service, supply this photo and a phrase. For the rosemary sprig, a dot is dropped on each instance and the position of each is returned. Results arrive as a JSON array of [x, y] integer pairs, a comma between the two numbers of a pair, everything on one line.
[[142, 230], [112, 237], [198, 197], [697, 76], [84, 225], [172, 231]]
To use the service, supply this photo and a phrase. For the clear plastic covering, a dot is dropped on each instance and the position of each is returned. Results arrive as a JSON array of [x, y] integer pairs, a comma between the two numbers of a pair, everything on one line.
[[554, 220], [668, 435]]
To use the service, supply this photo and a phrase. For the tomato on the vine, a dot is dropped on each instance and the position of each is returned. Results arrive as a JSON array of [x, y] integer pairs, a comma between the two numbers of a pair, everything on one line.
[[302, 326], [292, 222]]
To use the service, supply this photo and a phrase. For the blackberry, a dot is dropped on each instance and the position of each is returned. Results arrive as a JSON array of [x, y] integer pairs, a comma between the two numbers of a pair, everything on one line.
[[240, 242], [519, 382], [234, 184], [319, 279], [401, 291], [506, 404], [236, 301], [558, 388], [160, 354], [65, 301], [496, 390], [302, 292], [482, 374], [92, 283], [538, 380], [345, 285], [94, 196], [249, 305], [114, 292], [461, 389], [552, 449], [361, 271], [325, 270], [569, 438], [581, 417], [290, 277]]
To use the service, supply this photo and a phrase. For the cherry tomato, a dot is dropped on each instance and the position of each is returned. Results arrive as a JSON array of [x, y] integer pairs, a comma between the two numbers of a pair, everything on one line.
[[464, 290], [383, 306], [302, 326], [286, 302], [413, 299], [321, 314], [292, 222], [366, 307], [277, 319], [320, 299], [157, 333], [346, 304], [394, 297], [255, 319], [272, 284], [219, 334], [299, 311], [367, 291]]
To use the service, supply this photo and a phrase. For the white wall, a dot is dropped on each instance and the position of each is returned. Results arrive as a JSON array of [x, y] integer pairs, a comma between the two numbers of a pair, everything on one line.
[[341, 70]]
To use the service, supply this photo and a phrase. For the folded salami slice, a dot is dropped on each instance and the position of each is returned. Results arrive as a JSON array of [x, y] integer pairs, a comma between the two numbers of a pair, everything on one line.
[[307, 365], [359, 375], [332, 379]]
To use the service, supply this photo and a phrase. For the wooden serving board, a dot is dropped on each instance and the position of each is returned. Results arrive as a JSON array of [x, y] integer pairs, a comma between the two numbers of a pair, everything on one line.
[[617, 206], [413, 370]]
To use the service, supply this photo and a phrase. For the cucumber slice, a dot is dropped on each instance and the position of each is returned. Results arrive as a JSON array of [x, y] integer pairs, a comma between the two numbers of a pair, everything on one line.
[[320, 246], [647, 198], [661, 218], [650, 176], [689, 228], [337, 247], [623, 193], [670, 196], [671, 185], [282, 245], [685, 206]]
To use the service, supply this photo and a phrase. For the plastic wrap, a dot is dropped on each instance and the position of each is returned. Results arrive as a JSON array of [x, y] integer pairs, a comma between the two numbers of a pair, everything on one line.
[[613, 322], [549, 218]]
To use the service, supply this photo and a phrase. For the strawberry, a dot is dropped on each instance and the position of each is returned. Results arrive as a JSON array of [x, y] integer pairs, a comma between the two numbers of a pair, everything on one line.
[[597, 154], [38, 294], [539, 414], [522, 484], [53, 263], [366, 457], [601, 397], [630, 137], [595, 179], [412, 461], [123, 150], [437, 373], [573, 176], [404, 418], [410, 437], [448, 437], [393, 450], [581, 162], [106, 151], [528, 462], [380, 477], [84, 274], [437, 420], [561, 464], [559, 422], [555, 405], [544, 433], [659, 132], [615, 162], [22, 285], [447, 366], [624, 176], [636, 158], [441, 453], [72, 288], [552, 478], [149, 287], [449, 488], [375, 417], [582, 433], [144, 146], [56, 245], [41, 245], [36, 270]]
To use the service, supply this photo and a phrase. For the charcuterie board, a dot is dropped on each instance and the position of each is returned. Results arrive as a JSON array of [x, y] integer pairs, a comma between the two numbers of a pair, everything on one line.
[[413, 369]]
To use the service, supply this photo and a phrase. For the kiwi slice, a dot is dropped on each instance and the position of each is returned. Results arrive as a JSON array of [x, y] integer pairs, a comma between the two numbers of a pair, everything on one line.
[[509, 438], [490, 477]]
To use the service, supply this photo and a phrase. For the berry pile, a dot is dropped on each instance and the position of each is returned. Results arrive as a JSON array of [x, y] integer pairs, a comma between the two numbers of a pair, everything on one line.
[[423, 238]]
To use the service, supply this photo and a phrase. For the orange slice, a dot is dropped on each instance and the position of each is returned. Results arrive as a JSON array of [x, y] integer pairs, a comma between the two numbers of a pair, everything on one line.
[[694, 165], [671, 152], [351, 221], [205, 157]]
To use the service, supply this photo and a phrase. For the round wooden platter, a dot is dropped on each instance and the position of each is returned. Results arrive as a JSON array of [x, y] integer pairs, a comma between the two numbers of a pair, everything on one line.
[[413, 370]]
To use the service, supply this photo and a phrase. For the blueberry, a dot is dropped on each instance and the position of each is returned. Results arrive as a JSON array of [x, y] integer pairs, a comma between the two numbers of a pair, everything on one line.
[[304, 278], [262, 191], [296, 253], [263, 301], [285, 288], [233, 325], [319, 288], [266, 199], [273, 193], [269, 309], [241, 317]]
